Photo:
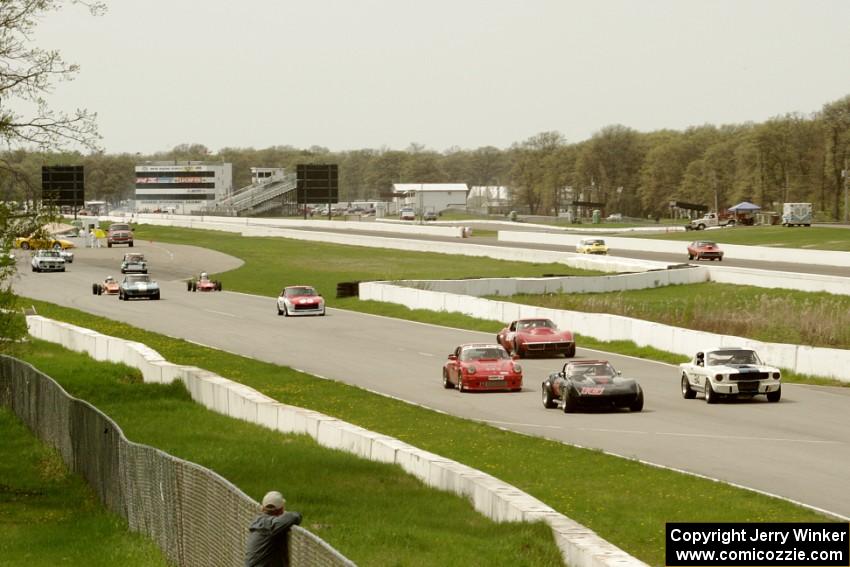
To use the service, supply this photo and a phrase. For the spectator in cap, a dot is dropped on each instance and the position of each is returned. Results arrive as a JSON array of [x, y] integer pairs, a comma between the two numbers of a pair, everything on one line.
[[267, 535]]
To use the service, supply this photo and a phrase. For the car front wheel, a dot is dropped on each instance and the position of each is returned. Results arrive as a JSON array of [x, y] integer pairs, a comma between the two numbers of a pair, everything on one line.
[[637, 405], [687, 392], [774, 396], [446, 382], [710, 395], [548, 402]]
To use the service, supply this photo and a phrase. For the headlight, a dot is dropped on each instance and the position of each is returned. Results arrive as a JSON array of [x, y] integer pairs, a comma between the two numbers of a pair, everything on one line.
[[719, 377], [776, 375], [517, 368], [470, 369]]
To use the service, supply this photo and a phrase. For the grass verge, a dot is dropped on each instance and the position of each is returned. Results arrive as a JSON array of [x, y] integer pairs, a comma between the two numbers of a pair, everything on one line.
[[538, 466], [49, 516], [815, 237], [373, 513]]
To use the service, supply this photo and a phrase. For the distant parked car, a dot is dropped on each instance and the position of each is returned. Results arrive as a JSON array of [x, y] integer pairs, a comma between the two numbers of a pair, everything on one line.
[[430, 216], [704, 250], [407, 213], [481, 366], [591, 246], [33, 243], [119, 233]]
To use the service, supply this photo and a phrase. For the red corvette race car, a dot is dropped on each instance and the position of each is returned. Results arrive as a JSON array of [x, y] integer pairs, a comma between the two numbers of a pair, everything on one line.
[[480, 366], [203, 283], [536, 336], [704, 249], [108, 287]]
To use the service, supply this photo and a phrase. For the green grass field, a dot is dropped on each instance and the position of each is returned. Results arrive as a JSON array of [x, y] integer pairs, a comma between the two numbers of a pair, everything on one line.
[[49, 516], [627, 503], [814, 237]]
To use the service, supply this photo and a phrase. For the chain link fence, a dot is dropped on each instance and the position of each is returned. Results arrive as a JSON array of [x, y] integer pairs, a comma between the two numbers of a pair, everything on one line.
[[194, 515]]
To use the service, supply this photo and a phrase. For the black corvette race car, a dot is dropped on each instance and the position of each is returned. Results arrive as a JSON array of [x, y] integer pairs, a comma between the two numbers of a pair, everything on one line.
[[591, 384]]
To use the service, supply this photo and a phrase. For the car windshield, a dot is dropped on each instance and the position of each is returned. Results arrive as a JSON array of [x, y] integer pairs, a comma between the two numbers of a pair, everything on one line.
[[535, 324], [134, 258], [297, 291], [583, 371], [138, 279], [594, 242], [737, 356], [477, 353], [50, 253], [119, 227], [706, 243]]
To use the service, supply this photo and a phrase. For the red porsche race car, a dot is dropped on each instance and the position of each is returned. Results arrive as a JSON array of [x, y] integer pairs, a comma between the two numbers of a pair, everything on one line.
[[481, 366], [536, 336], [203, 283], [109, 287], [704, 249]]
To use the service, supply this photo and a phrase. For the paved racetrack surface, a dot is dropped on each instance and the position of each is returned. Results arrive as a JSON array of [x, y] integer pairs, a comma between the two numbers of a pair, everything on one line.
[[798, 448]]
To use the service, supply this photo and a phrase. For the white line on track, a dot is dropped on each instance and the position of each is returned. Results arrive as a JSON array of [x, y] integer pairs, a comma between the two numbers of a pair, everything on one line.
[[707, 436], [524, 424], [222, 313], [426, 354]]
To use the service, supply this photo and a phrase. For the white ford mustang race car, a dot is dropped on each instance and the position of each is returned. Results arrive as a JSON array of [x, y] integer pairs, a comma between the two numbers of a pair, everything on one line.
[[47, 261], [729, 371]]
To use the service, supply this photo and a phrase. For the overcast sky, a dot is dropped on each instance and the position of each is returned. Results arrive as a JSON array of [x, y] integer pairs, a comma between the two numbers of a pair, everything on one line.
[[352, 74]]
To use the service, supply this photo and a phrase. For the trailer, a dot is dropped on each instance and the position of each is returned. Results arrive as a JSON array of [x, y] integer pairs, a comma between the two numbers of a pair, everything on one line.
[[797, 214]]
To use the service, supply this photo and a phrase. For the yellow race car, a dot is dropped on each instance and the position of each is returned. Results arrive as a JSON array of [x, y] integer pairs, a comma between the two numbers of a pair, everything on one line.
[[33, 243], [591, 246]]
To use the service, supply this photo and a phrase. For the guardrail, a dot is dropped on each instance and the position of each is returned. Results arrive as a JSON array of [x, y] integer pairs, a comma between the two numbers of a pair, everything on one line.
[[196, 517], [502, 502]]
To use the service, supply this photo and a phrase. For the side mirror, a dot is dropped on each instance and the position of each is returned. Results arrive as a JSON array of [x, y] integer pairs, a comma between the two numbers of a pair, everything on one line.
[[452, 356]]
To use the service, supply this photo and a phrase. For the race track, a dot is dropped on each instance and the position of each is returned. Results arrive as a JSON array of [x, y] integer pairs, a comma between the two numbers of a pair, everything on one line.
[[798, 448]]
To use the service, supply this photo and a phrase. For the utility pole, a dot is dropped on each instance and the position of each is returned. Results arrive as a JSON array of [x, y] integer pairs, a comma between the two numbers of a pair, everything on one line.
[[845, 173]]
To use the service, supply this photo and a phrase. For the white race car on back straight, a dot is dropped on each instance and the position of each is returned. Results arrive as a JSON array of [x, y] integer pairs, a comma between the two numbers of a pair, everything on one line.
[[729, 371]]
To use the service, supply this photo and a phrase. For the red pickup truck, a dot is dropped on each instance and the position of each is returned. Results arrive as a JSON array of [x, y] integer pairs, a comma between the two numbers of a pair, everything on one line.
[[119, 233]]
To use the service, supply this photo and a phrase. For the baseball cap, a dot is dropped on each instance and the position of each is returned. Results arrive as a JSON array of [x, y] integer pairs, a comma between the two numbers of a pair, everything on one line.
[[273, 500]]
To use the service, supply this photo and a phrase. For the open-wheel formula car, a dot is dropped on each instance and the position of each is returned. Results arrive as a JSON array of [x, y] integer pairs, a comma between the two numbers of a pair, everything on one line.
[[138, 285], [300, 300], [108, 286], [732, 372], [482, 366], [203, 283], [591, 384], [536, 336]]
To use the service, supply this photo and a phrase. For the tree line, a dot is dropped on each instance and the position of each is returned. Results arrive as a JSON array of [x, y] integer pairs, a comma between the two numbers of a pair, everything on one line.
[[790, 158]]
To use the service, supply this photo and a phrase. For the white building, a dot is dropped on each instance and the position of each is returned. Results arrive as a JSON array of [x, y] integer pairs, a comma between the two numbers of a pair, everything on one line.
[[487, 199], [181, 187], [436, 197]]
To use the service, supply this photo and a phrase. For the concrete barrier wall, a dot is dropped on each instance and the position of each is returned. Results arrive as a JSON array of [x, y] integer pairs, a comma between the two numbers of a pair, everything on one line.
[[826, 362], [570, 284], [763, 253], [580, 547], [353, 226]]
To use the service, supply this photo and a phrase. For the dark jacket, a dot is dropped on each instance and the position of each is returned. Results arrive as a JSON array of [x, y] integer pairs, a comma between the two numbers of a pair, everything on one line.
[[267, 542]]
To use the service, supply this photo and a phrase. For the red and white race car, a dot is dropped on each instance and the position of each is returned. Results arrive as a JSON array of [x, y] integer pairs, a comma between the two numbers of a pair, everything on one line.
[[300, 300], [482, 366], [109, 287], [203, 283], [536, 336]]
